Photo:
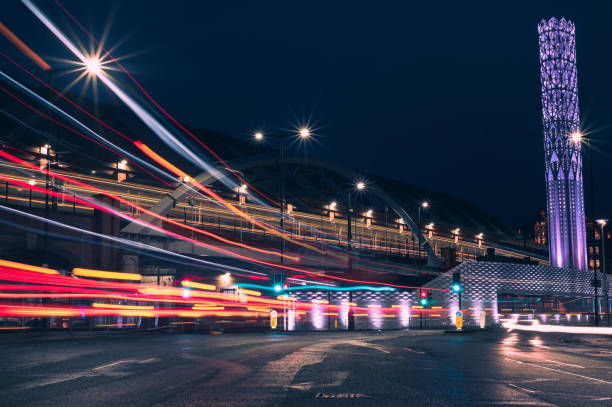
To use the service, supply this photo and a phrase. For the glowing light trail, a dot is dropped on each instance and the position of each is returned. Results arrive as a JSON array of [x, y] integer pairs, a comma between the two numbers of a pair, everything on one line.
[[137, 207], [12, 264], [112, 58], [536, 327], [106, 274], [24, 48], [142, 114]]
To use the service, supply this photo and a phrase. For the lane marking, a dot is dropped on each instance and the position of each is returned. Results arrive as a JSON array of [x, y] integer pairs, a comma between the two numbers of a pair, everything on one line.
[[150, 360], [414, 351], [563, 363], [560, 371], [112, 364]]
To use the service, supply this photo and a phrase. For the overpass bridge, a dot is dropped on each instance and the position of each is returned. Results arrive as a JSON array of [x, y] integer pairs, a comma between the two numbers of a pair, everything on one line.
[[387, 240]]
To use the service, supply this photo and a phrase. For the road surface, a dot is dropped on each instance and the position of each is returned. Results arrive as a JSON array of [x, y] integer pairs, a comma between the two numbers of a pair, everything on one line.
[[389, 368]]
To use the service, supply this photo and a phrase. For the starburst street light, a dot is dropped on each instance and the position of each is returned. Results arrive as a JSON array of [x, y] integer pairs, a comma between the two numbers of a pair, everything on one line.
[[576, 137], [304, 132], [360, 185], [258, 135], [93, 66]]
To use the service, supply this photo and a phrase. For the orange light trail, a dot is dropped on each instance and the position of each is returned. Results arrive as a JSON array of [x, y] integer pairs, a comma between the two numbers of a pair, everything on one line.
[[113, 275], [27, 267], [112, 58], [137, 207], [181, 174], [24, 48]]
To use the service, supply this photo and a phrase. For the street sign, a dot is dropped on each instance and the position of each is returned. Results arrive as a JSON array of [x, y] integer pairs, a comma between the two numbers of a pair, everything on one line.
[[459, 319], [273, 319]]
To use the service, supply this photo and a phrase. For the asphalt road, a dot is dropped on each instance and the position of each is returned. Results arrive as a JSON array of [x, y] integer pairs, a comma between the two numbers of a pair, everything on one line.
[[390, 368]]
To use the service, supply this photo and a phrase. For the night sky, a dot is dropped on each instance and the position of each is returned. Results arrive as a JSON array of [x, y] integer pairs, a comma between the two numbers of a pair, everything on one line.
[[443, 95]]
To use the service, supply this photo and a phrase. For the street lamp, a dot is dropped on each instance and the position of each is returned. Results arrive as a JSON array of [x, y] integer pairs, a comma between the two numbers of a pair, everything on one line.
[[577, 137], [602, 223], [456, 233], [303, 133], [480, 238], [423, 205], [93, 66], [225, 279], [332, 209], [360, 186]]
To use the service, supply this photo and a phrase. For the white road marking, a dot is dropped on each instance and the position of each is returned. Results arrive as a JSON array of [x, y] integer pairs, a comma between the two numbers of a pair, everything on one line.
[[563, 363], [111, 364], [103, 370], [560, 371], [150, 360]]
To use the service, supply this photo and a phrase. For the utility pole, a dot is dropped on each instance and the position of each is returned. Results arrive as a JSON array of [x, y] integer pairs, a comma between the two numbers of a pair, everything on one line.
[[592, 188], [605, 282], [281, 164]]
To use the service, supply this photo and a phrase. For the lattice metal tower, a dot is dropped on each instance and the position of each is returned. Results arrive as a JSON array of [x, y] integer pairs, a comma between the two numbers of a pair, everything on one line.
[[562, 144]]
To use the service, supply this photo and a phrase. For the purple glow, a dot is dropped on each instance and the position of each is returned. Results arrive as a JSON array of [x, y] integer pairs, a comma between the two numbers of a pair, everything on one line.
[[404, 314], [344, 312], [318, 319], [375, 315], [560, 117]]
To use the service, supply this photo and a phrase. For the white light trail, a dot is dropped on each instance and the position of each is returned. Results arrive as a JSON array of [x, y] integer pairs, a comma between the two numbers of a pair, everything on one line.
[[536, 327], [146, 118], [141, 246]]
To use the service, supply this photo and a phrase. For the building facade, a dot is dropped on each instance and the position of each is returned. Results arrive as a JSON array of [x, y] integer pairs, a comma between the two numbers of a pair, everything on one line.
[[562, 144]]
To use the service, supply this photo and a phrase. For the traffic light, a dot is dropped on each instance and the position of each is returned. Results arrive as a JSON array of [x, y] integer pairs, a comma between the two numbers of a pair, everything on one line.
[[456, 286], [279, 282], [424, 298]]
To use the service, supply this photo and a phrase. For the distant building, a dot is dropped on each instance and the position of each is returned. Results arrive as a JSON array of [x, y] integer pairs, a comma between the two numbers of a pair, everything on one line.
[[540, 227], [594, 247]]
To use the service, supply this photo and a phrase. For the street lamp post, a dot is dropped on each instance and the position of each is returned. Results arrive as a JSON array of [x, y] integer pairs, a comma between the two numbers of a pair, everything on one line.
[[577, 138], [349, 237], [360, 186], [281, 164], [423, 205], [303, 133], [602, 223]]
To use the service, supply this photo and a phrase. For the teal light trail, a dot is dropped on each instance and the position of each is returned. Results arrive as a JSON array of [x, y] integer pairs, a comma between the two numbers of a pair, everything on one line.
[[317, 287]]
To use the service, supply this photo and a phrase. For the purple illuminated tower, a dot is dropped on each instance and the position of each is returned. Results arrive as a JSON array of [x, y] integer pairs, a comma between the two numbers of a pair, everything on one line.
[[564, 192]]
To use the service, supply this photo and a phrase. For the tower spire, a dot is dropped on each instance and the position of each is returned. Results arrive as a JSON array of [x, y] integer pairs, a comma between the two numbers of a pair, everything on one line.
[[562, 144]]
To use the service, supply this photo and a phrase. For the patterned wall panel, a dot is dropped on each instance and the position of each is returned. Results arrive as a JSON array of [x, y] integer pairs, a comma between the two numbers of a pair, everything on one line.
[[481, 281]]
